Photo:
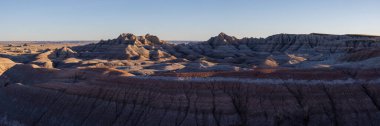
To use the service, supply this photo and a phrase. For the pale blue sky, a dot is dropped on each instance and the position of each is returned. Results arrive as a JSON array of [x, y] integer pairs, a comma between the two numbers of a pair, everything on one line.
[[183, 19]]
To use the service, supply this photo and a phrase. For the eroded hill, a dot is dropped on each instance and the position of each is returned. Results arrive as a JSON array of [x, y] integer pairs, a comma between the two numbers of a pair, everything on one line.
[[285, 79], [147, 54]]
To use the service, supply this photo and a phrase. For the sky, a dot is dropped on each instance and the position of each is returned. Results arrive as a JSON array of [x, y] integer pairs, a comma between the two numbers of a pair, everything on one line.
[[56, 20]]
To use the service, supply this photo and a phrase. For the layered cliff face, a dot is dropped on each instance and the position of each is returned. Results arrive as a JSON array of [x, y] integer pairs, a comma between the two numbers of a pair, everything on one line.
[[282, 50], [304, 44], [102, 97]]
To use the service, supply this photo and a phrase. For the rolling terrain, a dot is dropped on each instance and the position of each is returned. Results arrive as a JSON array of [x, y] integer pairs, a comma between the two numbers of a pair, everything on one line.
[[282, 80]]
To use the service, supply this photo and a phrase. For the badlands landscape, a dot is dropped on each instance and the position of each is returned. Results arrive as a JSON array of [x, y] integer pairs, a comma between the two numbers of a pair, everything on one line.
[[283, 80]]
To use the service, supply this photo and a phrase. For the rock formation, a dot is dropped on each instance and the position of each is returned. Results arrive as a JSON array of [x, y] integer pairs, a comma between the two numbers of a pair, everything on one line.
[[285, 50], [89, 97], [63, 53], [284, 79], [227, 52], [306, 47], [126, 46], [43, 59]]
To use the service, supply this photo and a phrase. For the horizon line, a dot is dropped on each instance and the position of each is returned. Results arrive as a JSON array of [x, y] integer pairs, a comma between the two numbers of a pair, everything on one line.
[[83, 40]]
